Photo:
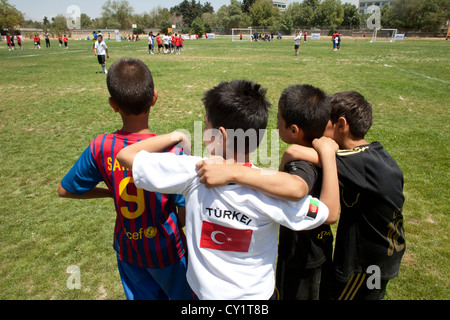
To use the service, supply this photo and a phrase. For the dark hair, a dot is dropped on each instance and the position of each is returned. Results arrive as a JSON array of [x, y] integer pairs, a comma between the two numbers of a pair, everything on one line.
[[130, 84], [355, 109], [307, 107], [239, 104]]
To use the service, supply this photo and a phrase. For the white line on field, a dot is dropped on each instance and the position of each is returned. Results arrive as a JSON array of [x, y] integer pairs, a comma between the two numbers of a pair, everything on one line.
[[41, 54], [417, 74]]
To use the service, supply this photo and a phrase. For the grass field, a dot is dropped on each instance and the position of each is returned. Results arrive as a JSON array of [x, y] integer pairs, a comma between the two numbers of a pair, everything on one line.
[[54, 101]]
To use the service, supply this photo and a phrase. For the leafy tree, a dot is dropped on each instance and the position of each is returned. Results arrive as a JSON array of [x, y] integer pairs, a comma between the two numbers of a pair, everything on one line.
[[85, 21], [301, 13], [329, 13], [191, 10], [352, 18], [10, 17], [286, 23], [246, 4], [263, 13], [59, 25], [118, 11], [198, 26], [232, 16]]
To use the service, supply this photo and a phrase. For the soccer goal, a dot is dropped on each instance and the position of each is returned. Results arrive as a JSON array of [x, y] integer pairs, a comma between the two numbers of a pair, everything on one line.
[[246, 34], [384, 35]]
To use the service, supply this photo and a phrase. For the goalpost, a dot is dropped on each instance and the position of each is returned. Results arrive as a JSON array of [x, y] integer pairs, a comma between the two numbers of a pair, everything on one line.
[[384, 35], [246, 34]]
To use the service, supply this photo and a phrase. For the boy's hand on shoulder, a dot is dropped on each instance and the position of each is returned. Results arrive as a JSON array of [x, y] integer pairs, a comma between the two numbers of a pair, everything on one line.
[[325, 145], [182, 141], [215, 172]]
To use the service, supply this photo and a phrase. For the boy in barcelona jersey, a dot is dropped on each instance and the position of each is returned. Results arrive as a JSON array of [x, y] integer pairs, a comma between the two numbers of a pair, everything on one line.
[[148, 237]]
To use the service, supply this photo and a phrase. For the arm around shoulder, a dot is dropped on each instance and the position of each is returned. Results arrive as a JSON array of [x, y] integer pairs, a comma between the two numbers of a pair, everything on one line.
[[215, 173], [126, 155], [329, 194]]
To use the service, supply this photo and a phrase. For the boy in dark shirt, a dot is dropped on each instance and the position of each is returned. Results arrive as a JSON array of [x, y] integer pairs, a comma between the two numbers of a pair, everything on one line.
[[370, 239]]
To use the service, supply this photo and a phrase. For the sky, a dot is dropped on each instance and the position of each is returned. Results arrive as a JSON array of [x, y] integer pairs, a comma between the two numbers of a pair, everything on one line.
[[37, 9]]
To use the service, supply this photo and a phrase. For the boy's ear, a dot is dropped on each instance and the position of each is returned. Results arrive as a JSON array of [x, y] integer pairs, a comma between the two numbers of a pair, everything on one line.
[[113, 105], [342, 125], [223, 132], [155, 97], [296, 131]]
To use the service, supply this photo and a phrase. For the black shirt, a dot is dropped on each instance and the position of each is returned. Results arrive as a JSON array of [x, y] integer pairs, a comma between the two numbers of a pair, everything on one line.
[[308, 248], [370, 230]]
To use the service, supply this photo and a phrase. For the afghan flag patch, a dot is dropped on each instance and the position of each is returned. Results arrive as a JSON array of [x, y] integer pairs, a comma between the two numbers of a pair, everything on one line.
[[313, 208]]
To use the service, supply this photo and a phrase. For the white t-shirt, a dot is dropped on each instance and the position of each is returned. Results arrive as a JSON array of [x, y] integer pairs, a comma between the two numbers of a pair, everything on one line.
[[101, 48], [231, 231]]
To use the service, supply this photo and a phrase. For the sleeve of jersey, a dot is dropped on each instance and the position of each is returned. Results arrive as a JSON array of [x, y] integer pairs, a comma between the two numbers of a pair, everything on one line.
[[83, 176], [304, 170], [163, 172], [305, 214]]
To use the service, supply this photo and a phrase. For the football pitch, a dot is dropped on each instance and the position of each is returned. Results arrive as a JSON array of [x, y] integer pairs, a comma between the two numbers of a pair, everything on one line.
[[54, 101]]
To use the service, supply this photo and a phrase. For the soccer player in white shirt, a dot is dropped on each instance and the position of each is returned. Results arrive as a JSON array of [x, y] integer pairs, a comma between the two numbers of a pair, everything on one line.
[[100, 49], [232, 230], [151, 42]]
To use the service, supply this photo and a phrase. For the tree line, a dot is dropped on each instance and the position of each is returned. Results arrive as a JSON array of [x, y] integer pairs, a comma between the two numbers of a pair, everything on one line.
[[190, 16]]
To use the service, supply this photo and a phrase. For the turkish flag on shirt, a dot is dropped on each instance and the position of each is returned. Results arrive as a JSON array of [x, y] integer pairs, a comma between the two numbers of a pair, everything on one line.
[[218, 237]]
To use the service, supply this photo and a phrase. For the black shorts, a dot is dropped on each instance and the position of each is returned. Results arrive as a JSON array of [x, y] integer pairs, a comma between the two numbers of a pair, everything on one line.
[[101, 58], [296, 46]]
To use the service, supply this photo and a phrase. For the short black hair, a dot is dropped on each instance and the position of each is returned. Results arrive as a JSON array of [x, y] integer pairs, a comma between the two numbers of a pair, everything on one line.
[[355, 109], [130, 84], [239, 104], [307, 107]]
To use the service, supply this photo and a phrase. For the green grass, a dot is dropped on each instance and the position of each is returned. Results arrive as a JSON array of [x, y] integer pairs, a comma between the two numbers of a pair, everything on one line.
[[53, 102]]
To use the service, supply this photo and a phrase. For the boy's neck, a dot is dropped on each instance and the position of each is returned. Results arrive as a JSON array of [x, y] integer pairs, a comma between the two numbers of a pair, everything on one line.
[[350, 144], [135, 124], [236, 158]]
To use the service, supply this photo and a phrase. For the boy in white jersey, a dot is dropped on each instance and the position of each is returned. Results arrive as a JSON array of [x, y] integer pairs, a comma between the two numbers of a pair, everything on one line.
[[100, 50], [232, 230], [151, 41]]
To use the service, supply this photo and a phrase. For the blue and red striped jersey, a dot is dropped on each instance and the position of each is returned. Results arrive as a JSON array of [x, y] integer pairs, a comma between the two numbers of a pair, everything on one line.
[[146, 232]]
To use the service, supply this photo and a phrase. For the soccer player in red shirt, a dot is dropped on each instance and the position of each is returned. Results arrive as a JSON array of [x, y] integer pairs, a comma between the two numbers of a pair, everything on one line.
[[37, 41], [159, 42]]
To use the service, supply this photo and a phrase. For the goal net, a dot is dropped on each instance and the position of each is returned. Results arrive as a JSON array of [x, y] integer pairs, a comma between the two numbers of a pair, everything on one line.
[[384, 35], [245, 33]]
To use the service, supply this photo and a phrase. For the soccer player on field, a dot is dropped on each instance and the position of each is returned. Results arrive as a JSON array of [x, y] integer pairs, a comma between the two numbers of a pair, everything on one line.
[[60, 39], [149, 242], [13, 46], [66, 42], [19, 41], [151, 42], [8, 42], [159, 42], [181, 42], [100, 50], [37, 41]]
